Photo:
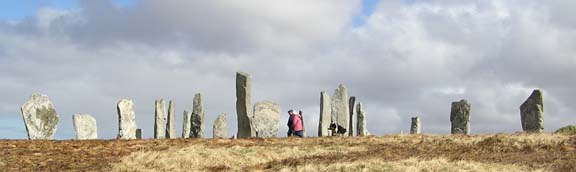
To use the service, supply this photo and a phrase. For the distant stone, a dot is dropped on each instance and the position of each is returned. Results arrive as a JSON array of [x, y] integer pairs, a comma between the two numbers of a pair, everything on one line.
[[352, 125], [568, 130], [531, 113], [460, 117], [40, 117], [187, 123], [126, 119], [362, 130], [243, 105], [266, 119], [138, 133], [415, 126], [85, 126], [170, 128], [219, 130], [325, 114], [160, 119], [197, 118], [340, 108]]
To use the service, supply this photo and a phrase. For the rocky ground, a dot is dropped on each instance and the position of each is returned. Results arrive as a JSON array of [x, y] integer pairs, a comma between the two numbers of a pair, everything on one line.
[[502, 152]]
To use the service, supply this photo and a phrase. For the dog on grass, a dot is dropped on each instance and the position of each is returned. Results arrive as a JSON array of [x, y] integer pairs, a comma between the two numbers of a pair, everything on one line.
[[337, 130]]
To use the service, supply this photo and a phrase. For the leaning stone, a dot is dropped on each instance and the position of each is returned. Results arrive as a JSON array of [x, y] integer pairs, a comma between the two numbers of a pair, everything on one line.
[[219, 130], [243, 105], [266, 119], [126, 119], [460, 117], [531, 113], [40, 117], [186, 124], [160, 120], [351, 105], [415, 126], [85, 126], [340, 111], [138, 133], [170, 128], [197, 118], [325, 114], [362, 130]]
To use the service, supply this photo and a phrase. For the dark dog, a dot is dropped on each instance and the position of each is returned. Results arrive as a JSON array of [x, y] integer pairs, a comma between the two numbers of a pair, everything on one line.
[[337, 130]]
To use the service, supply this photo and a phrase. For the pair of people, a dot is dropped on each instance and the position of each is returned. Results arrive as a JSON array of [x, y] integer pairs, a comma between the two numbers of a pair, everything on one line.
[[295, 125]]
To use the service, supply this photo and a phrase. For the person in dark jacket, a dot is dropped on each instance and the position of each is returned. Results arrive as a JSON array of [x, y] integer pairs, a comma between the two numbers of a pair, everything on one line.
[[290, 121]]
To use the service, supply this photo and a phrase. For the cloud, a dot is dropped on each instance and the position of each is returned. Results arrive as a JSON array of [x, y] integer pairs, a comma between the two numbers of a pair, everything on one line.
[[406, 59]]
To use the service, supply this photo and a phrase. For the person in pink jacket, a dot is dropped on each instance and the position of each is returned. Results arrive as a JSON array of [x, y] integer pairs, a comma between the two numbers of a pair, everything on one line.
[[297, 125]]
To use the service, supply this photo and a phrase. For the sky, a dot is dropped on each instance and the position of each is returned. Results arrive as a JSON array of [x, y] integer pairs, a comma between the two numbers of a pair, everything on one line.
[[400, 58]]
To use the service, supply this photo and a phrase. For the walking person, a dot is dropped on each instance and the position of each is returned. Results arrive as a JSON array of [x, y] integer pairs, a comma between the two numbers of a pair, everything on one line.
[[290, 121], [297, 125]]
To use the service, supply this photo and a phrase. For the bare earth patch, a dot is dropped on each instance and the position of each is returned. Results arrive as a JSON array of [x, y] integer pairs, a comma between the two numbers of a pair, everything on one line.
[[502, 152]]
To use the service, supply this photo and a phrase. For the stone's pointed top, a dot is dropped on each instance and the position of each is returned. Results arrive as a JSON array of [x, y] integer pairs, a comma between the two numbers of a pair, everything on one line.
[[242, 74], [462, 101], [341, 86]]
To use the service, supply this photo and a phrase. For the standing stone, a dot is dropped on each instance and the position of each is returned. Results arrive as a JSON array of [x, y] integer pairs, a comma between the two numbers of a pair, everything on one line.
[[160, 120], [219, 130], [351, 104], [85, 126], [40, 117], [362, 130], [243, 106], [415, 126], [170, 128], [325, 114], [126, 119], [460, 117], [186, 124], [197, 118], [303, 124], [266, 119], [138, 133], [340, 108], [531, 113]]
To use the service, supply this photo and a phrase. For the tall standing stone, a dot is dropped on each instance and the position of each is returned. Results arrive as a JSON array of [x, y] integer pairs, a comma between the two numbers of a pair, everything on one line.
[[243, 106], [219, 130], [85, 126], [126, 119], [362, 130], [197, 118], [170, 128], [325, 114], [40, 117], [460, 117], [160, 120], [186, 124], [531, 113], [415, 126], [303, 124], [138, 133], [351, 105], [340, 111], [266, 119]]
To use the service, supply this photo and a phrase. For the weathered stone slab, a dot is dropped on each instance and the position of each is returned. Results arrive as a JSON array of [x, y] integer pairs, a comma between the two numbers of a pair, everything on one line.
[[170, 128], [325, 114], [40, 117], [460, 117], [531, 113], [219, 130], [266, 119], [138, 133], [197, 118], [160, 119], [352, 126], [126, 119], [415, 125], [362, 130], [187, 124], [85, 126], [340, 108], [243, 105]]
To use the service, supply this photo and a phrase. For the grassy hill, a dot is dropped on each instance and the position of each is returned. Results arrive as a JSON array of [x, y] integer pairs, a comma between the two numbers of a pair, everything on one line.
[[502, 153]]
